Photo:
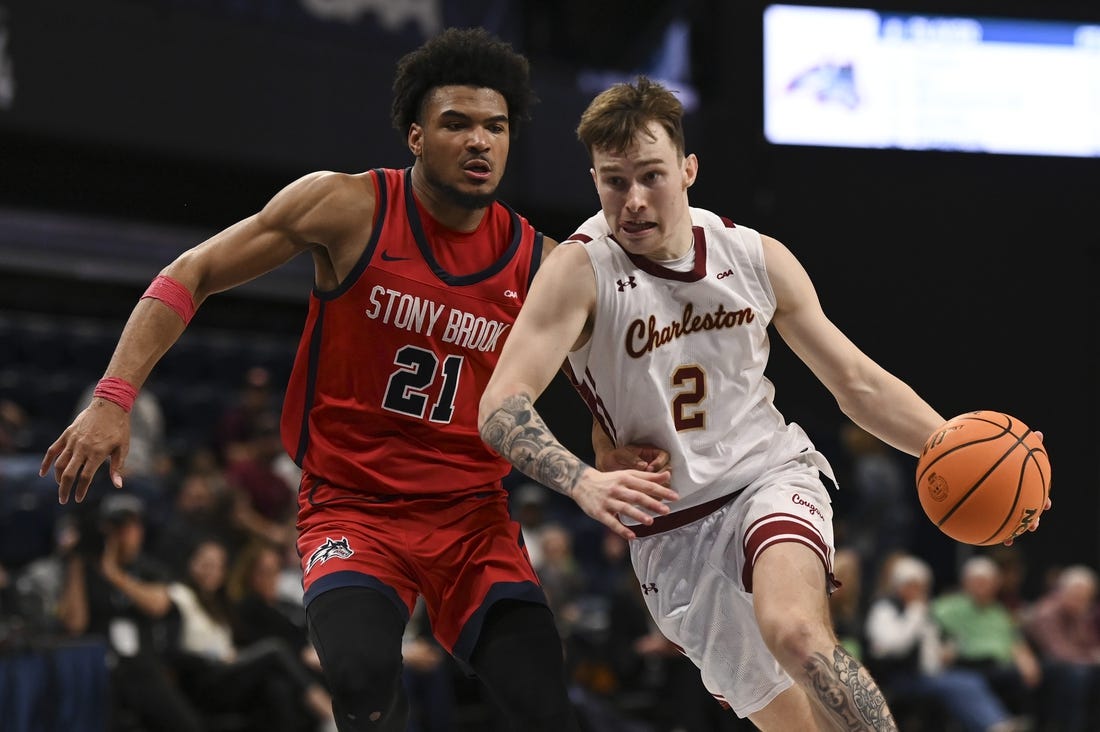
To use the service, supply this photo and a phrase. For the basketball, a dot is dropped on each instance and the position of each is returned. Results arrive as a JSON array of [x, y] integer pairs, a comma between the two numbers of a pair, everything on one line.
[[982, 477]]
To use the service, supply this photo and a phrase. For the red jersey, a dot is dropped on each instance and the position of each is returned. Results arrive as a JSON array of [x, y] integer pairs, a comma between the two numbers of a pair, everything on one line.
[[384, 393]]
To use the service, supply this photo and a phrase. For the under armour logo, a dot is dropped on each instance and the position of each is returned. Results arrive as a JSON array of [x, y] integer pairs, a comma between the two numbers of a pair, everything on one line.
[[651, 587], [629, 281]]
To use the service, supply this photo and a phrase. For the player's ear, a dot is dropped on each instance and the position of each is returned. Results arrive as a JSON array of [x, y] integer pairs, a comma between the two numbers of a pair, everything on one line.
[[691, 170], [592, 172], [416, 139]]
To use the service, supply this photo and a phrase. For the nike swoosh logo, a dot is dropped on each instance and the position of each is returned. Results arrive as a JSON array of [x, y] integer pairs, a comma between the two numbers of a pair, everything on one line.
[[387, 258]]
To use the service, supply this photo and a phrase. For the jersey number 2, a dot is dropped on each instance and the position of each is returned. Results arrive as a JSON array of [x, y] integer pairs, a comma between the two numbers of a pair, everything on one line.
[[406, 392], [686, 412]]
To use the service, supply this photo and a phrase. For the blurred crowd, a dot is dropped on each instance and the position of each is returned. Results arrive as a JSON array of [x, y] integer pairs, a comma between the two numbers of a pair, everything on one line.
[[190, 577], [966, 644]]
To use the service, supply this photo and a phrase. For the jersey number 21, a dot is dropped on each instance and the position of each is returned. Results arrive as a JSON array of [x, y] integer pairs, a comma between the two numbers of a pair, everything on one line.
[[409, 386]]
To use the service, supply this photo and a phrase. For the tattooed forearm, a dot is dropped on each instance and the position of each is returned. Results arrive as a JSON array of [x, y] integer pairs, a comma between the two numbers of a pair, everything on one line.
[[517, 432], [848, 692]]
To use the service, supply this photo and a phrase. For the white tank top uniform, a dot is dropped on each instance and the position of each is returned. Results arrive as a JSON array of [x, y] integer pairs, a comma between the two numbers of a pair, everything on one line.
[[676, 360]]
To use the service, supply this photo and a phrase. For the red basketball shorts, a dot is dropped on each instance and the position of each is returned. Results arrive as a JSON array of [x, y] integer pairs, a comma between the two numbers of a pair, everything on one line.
[[462, 554]]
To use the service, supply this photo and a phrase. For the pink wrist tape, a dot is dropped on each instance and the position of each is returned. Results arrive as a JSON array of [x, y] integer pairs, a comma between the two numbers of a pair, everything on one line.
[[116, 390], [172, 293]]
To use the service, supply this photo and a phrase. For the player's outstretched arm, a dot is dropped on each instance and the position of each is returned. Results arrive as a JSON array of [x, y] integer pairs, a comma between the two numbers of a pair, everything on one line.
[[287, 225], [868, 394]]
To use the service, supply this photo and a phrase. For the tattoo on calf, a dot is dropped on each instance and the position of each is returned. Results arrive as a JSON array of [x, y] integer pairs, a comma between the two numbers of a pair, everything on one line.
[[518, 433], [846, 689]]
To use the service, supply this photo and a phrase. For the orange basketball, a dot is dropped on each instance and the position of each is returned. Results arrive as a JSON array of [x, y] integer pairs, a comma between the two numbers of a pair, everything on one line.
[[982, 477]]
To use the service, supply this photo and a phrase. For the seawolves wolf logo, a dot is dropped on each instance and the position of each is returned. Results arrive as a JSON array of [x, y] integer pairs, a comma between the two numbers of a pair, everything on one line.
[[331, 548]]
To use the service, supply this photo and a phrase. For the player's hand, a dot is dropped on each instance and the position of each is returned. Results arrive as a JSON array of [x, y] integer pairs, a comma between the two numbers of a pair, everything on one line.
[[632, 457], [1046, 507], [633, 494], [100, 432], [1034, 522]]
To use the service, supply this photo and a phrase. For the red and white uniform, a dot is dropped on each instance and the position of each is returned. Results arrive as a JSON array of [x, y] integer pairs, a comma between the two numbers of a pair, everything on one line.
[[381, 413], [676, 359], [694, 345]]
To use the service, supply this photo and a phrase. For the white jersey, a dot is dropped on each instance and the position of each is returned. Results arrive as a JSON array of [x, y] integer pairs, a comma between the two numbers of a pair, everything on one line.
[[677, 359]]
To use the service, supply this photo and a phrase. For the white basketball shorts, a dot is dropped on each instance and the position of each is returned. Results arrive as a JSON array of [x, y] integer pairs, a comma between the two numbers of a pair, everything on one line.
[[697, 579]]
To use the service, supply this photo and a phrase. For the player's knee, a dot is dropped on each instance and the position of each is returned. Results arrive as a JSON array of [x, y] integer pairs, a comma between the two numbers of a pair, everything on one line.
[[357, 635], [363, 682], [366, 689]]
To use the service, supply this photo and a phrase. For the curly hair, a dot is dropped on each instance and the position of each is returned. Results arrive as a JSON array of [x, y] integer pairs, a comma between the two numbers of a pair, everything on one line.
[[466, 57]]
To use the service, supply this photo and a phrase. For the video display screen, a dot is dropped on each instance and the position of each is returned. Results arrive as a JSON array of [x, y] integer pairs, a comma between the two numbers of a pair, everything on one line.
[[862, 78]]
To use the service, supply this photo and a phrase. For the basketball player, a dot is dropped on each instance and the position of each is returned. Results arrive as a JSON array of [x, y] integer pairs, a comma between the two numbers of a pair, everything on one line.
[[419, 275], [661, 316]]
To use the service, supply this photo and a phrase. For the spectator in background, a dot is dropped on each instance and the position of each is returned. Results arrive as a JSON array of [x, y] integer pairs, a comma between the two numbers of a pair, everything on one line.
[[595, 676], [112, 590], [987, 636], [1062, 625], [290, 583], [244, 416], [263, 679], [1013, 569], [38, 585], [611, 566], [529, 501], [201, 507], [563, 579], [205, 461], [259, 612], [908, 657], [846, 602], [264, 500]]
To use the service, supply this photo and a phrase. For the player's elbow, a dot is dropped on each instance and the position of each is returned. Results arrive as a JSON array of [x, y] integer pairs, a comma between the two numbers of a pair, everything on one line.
[[856, 392]]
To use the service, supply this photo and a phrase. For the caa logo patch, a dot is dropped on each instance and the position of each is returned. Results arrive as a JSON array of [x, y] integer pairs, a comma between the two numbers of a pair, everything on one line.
[[337, 548]]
